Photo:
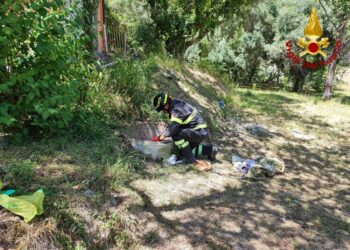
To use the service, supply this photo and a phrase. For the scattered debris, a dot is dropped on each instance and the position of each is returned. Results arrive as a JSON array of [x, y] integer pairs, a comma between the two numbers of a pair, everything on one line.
[[222, 104], [257, 169]]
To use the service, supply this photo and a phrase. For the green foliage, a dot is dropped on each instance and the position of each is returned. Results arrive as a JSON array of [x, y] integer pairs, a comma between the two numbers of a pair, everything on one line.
[[315, 80], [345, 100], [340, 8], [121, 171], [88, 14], [181, 23], [129, 79], [174, 26], [42, 67], [254, 53], [123, 91], [145, 36], [22, 173]]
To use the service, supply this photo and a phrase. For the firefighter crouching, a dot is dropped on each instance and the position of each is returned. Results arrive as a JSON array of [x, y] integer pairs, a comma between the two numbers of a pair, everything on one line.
[[187, 129]]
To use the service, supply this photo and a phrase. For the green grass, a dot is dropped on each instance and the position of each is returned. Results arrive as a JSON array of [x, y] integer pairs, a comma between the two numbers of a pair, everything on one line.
[[66, 168], [101, 161]]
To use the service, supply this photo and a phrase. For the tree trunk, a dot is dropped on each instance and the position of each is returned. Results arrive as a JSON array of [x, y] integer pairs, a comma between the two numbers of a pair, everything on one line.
[[327, 94], [329, 81], [101, 38], [298, 78], [296, 85]]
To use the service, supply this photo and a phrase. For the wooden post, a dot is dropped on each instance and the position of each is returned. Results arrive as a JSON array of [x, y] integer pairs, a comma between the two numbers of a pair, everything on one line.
[[101, 47]]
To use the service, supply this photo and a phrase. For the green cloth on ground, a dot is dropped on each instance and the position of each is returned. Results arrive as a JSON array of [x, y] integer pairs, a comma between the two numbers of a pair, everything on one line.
[[27, 206]]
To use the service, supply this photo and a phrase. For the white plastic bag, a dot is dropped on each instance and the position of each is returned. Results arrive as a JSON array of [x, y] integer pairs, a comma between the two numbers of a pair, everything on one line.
[[172, 160]]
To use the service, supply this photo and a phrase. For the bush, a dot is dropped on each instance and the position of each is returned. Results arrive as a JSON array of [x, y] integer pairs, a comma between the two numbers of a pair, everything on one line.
[[145, 36], [127, 89], [42, 67], [316, 79]]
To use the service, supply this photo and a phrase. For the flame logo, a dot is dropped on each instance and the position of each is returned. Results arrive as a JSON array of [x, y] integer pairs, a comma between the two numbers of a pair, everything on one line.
[[313, 31]]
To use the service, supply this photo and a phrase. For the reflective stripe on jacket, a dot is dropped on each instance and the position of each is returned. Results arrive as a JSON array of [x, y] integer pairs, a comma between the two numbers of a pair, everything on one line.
[[183, 115]]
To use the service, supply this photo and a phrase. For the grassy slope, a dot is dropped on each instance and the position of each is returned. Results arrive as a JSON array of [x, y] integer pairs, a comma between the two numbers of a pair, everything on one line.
[[304, 208], [90, 184]]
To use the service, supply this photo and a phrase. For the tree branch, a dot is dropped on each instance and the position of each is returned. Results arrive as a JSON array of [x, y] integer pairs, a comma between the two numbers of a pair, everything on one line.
[[328, 16], [347, 43]]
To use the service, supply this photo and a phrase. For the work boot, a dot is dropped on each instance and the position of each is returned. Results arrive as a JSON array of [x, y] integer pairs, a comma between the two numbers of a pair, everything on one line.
[[188, 160], [212, 155], [186, 156]]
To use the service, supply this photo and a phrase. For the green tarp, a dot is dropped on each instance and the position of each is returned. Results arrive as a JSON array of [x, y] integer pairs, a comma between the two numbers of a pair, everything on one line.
[[27, 206]]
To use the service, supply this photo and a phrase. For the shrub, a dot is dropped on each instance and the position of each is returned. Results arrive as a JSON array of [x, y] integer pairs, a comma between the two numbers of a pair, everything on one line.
[[42, 65], [128, 85]]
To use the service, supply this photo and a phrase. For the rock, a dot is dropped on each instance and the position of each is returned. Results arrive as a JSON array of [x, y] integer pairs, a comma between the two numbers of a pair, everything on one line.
[[89, 193], [258, 130], [117, 200]]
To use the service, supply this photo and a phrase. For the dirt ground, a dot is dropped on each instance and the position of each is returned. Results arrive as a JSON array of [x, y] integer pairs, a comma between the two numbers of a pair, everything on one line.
[[308, 207]]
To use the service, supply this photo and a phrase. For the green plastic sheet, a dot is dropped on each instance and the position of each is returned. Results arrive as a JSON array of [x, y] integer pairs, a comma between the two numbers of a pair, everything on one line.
[[27, 206]]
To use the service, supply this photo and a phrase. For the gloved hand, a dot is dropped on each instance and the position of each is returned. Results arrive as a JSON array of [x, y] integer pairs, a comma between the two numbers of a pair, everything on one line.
[[155, 138]]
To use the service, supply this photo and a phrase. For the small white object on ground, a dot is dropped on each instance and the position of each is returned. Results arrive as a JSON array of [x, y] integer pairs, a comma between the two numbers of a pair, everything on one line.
[[172, 160], [299, 135]]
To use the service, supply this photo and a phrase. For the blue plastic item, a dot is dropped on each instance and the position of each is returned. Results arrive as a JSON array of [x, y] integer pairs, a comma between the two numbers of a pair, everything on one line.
[[8, 192], [222, 104], [250, 164]]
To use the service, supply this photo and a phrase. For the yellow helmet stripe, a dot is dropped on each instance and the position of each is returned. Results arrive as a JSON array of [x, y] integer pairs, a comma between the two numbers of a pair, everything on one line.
[[166, 98], [158, 102]]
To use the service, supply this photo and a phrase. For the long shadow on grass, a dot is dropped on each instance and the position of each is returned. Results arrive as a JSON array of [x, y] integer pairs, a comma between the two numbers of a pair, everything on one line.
[[238, 216], [320, 172], [74, 174], [308, 209]]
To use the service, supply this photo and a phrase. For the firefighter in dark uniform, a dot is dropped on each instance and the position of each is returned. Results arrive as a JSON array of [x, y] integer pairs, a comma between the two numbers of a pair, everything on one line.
[[187, 129]]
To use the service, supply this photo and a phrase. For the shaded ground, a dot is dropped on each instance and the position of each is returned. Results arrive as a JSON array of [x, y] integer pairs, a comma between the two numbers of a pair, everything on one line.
[[306, 208], [94, 202]]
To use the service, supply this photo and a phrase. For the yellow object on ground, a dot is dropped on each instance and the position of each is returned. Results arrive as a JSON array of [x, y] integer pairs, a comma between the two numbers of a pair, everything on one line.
[[26, 206]]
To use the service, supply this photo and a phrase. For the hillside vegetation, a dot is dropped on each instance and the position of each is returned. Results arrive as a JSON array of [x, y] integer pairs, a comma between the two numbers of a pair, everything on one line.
[[100, 193], [67, 107]]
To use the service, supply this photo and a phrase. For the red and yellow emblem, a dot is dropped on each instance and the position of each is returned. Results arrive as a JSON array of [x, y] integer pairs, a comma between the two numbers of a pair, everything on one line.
[[313, 32]]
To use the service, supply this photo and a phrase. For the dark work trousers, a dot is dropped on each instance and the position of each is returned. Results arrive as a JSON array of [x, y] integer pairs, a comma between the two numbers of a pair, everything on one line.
[[194, 138]]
